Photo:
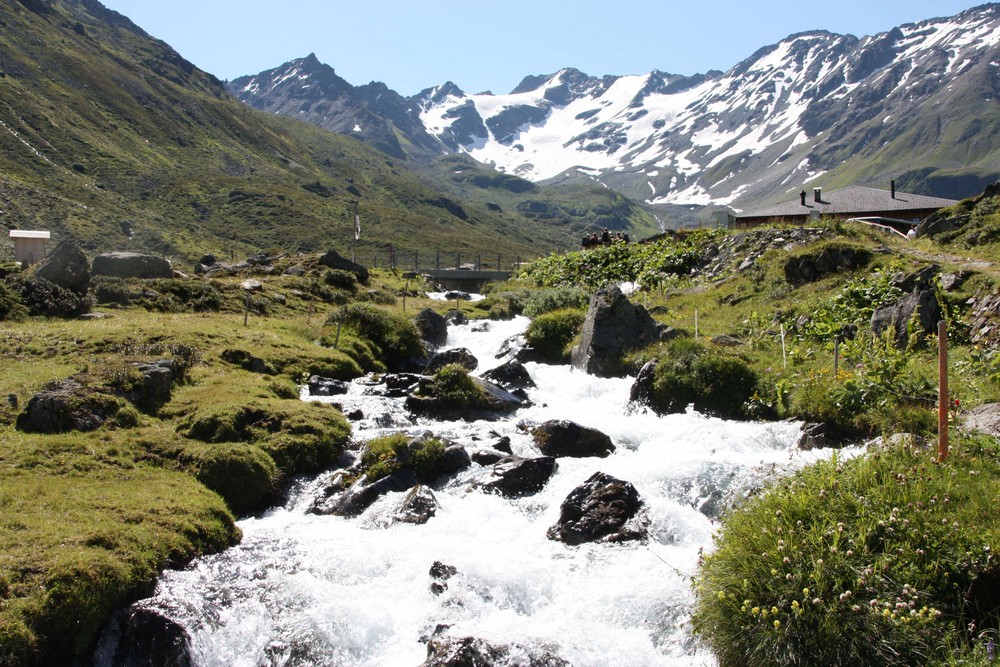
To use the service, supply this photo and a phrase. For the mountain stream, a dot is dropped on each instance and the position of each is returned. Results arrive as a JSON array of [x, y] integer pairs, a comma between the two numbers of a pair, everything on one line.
[[305, 589]]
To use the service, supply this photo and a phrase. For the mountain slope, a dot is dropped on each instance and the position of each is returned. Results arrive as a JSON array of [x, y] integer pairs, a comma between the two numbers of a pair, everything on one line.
[[917, 103], [109, 137]]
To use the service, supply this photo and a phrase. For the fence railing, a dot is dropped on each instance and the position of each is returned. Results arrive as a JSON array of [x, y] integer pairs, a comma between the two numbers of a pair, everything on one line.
[[436, 260]]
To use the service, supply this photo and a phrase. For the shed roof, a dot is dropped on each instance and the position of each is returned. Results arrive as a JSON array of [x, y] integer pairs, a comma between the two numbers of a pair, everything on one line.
[[853, 200], [28, 234]]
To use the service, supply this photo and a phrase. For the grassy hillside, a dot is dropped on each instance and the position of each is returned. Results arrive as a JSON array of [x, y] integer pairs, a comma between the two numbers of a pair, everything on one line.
[[110, 138]]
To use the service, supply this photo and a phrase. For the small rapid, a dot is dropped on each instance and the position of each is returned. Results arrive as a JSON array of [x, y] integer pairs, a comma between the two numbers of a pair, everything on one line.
[[304, 589]]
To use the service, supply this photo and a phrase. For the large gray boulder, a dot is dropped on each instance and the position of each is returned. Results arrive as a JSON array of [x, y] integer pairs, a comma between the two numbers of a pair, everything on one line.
[[66, 266], [896, 317], [613, 326], [132, 265]]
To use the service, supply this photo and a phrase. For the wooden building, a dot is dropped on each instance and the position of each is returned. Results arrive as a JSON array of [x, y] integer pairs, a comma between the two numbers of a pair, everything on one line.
[[29, 246], [900, 210]]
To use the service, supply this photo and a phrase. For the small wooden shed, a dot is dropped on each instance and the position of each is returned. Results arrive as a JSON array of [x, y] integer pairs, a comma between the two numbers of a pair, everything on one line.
[[29, 245]]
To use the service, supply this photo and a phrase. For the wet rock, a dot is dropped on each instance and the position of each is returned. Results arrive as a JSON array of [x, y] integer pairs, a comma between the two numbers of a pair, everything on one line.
[[495, 401], [560, 437], [612, 327], [355, 415], [456, 459], [820, 436], [418, 507], [441, 573], [458, 355], [432, 327], [921, 306], [455, 295], [641, 391], [150, 638], [515, 477], [131, 265], [604, 509], [456, 317], [475, 652], [399, 385], [361, 495], [503, 445], [66, 266], [321, 386], [487, 457], [510, 375]]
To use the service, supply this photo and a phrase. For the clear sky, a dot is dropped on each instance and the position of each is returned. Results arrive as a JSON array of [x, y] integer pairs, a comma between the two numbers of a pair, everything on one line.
[[493, 44]]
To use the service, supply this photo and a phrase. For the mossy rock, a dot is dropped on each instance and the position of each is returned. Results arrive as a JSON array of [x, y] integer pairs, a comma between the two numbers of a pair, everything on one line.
[[244, 475], [300, 437]]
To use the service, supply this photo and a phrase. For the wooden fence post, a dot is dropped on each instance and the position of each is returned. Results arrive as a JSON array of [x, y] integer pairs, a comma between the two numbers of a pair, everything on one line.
[[944, 402]]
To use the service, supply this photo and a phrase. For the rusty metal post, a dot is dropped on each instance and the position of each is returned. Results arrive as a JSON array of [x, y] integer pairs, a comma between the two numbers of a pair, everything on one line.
[[944, 402]]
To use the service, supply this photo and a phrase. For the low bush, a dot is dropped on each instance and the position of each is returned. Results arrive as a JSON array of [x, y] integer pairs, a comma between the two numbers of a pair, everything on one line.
[[42, 297], [453, 388], [11, 308], [884, 559], [715, 383], [395, 336], [552, 333], [555, 298], [389, 454]]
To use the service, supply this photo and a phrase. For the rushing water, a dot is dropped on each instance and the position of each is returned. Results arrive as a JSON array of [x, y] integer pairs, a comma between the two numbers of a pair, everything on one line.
[[305, 589]]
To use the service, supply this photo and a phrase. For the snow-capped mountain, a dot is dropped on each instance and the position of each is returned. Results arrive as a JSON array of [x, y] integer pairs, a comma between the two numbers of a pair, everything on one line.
[[918, 103]]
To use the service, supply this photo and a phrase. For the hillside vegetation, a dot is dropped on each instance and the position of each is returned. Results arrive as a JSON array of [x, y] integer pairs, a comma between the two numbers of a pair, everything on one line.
[[110, 138], [93, 510]]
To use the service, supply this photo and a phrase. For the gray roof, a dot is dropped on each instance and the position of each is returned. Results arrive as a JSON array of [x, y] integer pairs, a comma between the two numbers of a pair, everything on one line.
[[853, 200]]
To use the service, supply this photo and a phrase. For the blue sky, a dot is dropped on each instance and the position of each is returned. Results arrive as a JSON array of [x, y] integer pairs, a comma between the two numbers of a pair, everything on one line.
[[415, 44]]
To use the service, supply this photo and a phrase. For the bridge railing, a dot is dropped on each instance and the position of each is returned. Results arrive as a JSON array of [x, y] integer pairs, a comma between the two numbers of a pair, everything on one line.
[[437, 260]]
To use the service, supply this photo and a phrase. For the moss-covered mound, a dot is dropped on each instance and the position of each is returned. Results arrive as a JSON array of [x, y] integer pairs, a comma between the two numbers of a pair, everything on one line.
[[551, 334]]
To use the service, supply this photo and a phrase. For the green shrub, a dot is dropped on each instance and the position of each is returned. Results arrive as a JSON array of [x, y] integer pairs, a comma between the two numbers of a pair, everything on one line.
[[552, 333], [885, 559], [11, 308], [395, 336], [878, 389], [386, 455], [244, 475], [48, 299], [716, 383], [453, 387], [555, 298], [341, 280]]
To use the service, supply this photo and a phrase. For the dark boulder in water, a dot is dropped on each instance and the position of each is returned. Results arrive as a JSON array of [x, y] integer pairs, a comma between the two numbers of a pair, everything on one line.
[[602, 509]]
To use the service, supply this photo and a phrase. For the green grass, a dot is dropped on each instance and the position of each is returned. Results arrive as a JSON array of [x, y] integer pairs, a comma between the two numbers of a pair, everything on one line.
[[884, 559]]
